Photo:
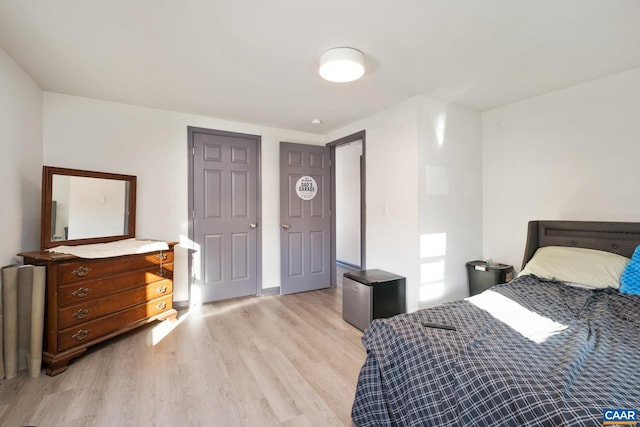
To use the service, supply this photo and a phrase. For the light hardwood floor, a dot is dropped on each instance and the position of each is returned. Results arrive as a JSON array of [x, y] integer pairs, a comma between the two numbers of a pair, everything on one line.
[[256, 361]]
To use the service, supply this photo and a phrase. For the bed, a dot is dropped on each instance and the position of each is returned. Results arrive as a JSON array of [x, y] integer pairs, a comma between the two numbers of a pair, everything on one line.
[[535, 351]]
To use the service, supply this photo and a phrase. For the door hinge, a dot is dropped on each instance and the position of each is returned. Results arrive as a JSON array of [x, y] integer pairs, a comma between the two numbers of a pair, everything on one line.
[[193, 214], [330, 163], [193, 150]]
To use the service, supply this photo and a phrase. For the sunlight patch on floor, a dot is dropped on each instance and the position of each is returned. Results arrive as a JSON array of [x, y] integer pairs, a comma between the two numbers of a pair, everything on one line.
[[164, 328]]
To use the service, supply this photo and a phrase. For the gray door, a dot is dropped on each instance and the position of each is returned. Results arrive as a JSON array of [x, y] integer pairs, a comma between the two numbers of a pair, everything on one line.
[[225, 216], [305, 203]]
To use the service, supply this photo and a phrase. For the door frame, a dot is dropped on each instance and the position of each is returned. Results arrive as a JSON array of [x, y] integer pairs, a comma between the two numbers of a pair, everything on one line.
[[361, 135], [191, 130]]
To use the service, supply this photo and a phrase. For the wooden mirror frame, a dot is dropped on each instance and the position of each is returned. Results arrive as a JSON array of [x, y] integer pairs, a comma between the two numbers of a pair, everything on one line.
[[48, 172]]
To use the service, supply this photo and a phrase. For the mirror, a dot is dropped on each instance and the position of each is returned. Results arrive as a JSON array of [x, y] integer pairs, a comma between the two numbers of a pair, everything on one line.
[[81, 207]]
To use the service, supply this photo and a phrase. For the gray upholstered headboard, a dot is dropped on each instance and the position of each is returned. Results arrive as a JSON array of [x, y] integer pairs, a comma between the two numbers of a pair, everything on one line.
[[618, 237]]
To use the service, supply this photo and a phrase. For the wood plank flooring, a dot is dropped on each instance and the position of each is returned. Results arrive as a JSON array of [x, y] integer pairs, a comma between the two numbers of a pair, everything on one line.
[[257, 361]]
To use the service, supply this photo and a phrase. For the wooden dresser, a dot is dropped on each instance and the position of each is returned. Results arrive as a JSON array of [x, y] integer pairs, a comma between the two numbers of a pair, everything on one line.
[[91, 300]]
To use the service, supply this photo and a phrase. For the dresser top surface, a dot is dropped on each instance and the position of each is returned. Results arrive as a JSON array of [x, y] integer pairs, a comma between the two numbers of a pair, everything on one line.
[[56, 256]]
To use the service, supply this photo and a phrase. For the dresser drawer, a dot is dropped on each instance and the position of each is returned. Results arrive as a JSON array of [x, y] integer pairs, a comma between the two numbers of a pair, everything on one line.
[[77, 293], [90, 310], [97, 328], [89, 269]]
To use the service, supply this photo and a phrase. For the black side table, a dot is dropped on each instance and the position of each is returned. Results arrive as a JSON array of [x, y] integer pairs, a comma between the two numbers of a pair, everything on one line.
[[482, 276]]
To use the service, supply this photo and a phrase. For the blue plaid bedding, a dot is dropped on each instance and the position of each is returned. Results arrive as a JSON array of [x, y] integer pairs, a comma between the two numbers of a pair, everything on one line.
[[526, 353]]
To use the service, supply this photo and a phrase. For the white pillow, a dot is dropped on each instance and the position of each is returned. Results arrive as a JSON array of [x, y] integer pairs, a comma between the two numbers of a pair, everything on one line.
[[589, 267]]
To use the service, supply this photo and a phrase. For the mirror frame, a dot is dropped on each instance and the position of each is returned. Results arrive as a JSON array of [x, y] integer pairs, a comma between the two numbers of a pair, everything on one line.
[[45, 225]]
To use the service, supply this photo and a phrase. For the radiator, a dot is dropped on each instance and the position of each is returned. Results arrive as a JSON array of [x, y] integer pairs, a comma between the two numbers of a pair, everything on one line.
[[21, 319]]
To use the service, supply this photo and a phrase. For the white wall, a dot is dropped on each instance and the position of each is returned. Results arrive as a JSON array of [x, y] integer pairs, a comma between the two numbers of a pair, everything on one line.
[[347, 167], [20, 162], [567, 155], [450, 197], [89, 134], [401, 143]]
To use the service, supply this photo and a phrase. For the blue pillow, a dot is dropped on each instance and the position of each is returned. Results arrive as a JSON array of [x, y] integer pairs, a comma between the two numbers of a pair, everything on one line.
[[630, 278]]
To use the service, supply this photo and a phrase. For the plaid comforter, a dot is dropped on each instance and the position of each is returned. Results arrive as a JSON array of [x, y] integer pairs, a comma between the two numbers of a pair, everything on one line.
[[526, 353]]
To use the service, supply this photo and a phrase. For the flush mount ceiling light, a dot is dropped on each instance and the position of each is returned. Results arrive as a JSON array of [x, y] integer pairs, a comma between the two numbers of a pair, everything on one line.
[[342, 64]]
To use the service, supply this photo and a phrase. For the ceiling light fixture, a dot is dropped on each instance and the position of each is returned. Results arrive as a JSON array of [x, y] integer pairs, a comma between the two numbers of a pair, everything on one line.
[[342, 64]]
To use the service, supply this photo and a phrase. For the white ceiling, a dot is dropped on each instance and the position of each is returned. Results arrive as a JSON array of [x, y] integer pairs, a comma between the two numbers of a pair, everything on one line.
[[256, 61]]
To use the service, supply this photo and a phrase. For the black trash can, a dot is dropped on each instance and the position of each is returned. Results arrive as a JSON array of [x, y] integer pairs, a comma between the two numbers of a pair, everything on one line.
[[482, 276], [372, 294]]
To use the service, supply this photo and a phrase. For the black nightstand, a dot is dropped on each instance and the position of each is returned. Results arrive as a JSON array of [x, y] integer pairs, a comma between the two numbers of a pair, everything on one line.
[[482, 276]]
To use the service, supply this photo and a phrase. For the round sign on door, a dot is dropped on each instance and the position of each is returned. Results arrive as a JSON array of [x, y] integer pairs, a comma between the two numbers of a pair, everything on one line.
[[306, 188]]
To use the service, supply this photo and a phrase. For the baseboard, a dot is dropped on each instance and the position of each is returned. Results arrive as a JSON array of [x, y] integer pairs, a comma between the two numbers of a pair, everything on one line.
[[181, 305], [348, 265], [271, 291]]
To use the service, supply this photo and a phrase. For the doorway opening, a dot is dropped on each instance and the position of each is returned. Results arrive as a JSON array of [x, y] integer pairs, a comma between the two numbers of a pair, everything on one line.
[[348, 203]]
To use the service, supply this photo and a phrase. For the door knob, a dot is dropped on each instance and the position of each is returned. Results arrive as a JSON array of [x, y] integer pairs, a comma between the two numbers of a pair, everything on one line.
[[286, 226], [253, 225]]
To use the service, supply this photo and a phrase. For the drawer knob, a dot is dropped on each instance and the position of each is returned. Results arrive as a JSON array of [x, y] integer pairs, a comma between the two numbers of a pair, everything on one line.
[[81, 271], [81, 314], [162, 272], [81, 334], [162, 289], [82, 292], [162, 257], [162, 305]]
